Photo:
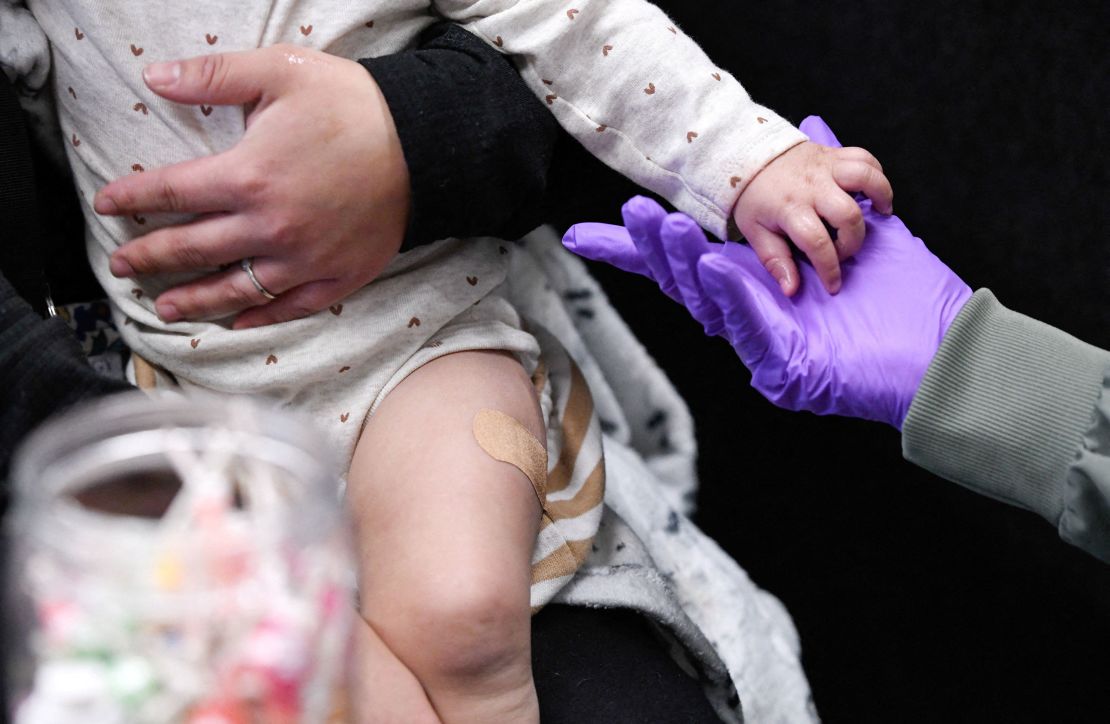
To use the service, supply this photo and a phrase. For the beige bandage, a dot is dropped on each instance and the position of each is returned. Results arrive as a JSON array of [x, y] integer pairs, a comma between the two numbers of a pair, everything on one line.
[[506, 439]]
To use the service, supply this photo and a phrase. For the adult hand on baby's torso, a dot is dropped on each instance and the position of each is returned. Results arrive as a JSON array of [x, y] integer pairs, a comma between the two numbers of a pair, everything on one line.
[[316, 191], [861, 353]]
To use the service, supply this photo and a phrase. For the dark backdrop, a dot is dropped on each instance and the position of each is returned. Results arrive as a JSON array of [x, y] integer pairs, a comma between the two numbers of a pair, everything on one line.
[[915, 599]]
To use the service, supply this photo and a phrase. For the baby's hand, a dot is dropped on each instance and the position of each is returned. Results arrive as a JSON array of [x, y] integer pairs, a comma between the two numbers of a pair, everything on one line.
[[791, 196]]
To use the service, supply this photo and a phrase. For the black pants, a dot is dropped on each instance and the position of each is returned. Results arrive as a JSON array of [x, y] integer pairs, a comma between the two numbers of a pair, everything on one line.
[[601, 665]]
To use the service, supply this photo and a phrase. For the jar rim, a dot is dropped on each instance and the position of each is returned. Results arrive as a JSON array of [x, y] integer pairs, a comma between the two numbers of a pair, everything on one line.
[[130, 432]]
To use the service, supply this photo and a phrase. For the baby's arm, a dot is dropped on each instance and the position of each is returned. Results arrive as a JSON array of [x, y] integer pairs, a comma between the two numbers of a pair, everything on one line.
[[644, 98], [445, 537]]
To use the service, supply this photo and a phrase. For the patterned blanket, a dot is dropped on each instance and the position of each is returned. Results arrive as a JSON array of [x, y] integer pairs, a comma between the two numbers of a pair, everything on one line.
[[737, 638]]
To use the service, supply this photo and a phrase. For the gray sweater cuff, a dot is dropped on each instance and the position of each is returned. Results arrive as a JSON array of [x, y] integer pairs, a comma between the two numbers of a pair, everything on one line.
[[1004, 405]]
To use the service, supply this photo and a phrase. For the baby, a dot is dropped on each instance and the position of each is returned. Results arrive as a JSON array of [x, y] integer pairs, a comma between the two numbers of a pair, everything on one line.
[[427, 380]]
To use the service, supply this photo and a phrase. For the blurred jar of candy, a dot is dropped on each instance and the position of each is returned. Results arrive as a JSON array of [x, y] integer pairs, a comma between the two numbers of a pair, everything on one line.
[[176, 560]]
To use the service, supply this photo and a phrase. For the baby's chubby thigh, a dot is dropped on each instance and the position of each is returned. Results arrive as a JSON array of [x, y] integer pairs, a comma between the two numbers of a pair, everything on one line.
[[445, 532]]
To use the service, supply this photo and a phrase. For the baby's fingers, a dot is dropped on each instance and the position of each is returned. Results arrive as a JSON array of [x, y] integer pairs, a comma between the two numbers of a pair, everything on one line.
[[855, 175], [855, 153], [774, 253], [843, 214], [809, 234]]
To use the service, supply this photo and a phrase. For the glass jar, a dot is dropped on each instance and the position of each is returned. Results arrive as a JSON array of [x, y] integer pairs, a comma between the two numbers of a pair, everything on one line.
[[177, 559]]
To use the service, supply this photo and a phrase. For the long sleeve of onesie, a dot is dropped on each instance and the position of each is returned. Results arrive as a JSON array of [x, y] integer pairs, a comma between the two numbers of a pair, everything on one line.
[[1019, 411], [639, 94]]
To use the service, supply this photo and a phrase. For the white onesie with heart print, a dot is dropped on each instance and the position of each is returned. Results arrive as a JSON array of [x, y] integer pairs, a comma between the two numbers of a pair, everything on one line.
[[618, 75]]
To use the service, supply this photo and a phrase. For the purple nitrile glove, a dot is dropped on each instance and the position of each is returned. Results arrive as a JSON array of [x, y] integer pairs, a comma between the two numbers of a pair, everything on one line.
[[861, 353]]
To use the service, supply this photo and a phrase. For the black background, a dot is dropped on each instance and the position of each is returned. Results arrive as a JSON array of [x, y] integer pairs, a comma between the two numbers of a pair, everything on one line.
[[915, 599]]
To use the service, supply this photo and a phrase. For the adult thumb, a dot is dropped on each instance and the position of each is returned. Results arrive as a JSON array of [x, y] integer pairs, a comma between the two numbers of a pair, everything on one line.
[[217, 79]]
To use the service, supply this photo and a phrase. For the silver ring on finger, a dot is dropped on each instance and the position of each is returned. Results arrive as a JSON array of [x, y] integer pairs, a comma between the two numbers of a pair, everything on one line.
[[247, 266]]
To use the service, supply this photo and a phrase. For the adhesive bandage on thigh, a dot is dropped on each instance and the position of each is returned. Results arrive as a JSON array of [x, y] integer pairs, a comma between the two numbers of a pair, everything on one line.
[[572, 490], [504, 438]]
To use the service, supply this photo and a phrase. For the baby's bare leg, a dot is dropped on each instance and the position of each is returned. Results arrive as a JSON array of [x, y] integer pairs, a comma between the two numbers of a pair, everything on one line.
[[445, 536], [382, 690]]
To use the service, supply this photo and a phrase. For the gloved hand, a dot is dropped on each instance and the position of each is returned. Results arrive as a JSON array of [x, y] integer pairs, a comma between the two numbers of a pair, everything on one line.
[[861, 353]]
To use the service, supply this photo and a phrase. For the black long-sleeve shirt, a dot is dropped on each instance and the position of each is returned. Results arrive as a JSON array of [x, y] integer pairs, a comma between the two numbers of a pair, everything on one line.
[[477, 141]]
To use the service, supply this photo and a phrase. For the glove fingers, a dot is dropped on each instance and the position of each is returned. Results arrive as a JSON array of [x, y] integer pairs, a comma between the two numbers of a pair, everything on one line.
[[684, 243], [608, 243], [818, 131], [729, 287], [644, 217]]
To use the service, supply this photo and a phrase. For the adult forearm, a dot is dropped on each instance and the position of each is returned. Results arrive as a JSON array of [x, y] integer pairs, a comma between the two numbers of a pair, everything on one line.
[[42, 370], [1008, 409], [476, 141]]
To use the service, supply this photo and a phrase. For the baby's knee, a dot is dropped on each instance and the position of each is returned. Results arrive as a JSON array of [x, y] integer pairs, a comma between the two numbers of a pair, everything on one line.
[[469, 632]]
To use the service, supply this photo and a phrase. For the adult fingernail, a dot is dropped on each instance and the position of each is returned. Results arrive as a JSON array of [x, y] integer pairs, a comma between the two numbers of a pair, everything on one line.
[[161, 74], [103, 204], [120, 267], [167, 311]]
